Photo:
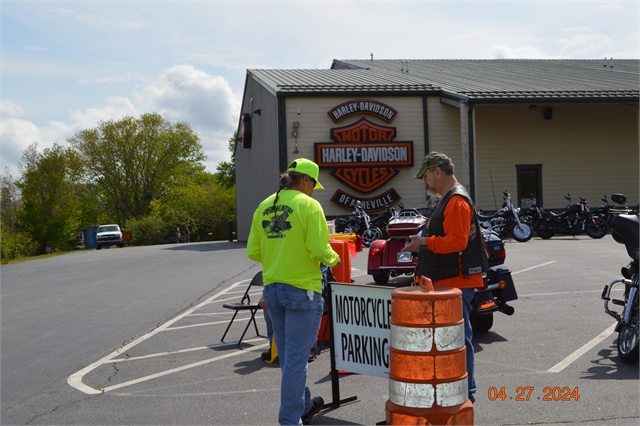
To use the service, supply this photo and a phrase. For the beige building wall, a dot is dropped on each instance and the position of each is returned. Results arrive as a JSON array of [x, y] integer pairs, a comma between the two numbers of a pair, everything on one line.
[[587, 150]]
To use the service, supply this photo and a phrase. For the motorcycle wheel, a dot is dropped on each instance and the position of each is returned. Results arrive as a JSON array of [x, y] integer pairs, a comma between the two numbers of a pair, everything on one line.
[[382, 278], [628, 341], [545, 234], [481, 323], [596, 228], [370, 235], [522, 233]]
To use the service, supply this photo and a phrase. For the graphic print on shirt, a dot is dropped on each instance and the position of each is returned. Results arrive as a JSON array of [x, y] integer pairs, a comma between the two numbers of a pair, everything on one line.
[[275, 227], [473, 232]]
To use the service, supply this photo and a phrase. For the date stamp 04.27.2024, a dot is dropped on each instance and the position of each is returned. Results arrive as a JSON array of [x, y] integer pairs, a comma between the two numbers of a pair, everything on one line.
[[527, 393]]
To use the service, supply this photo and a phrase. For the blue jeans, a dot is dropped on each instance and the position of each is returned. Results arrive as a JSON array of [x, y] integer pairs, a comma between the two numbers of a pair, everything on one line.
[[467, 298], [267, 320], [296, 321]]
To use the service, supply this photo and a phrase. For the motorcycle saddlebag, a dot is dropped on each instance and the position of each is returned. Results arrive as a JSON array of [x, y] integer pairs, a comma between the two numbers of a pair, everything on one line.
[[495, 275]]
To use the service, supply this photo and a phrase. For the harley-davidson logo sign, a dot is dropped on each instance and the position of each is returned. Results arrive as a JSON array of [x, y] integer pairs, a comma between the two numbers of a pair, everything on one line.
[[363, 155], [363, 106]]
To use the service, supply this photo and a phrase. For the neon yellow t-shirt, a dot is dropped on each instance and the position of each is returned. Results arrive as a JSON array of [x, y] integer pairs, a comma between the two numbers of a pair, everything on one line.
[[291, 240]]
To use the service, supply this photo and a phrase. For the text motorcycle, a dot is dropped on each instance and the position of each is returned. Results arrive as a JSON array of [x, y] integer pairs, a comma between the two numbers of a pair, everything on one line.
[[625, 231], [506, 222], [575, 219]]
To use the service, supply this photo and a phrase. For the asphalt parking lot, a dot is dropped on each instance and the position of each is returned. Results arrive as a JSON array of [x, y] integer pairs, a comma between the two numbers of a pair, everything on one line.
[[155, 357]]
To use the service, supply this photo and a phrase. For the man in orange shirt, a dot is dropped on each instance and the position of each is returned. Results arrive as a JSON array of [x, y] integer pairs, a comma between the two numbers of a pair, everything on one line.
[[451, 251]]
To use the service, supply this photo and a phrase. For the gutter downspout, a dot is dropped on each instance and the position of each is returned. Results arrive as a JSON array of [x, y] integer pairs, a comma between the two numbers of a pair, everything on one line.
[[472, 154], [425, 124], [282, 135]]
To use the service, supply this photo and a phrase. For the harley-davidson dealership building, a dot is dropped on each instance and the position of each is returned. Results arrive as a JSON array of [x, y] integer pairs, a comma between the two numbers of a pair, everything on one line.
[[540, 128]]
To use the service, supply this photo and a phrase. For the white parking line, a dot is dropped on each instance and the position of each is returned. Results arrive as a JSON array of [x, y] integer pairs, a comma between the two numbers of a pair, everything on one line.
[[532, 267], [75, 380], [180, 351], [584, 349], [184, 367], [239, 319]]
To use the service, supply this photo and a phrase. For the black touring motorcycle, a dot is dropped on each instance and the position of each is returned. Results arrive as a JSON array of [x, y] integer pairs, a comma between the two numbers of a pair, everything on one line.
[[625, 231]]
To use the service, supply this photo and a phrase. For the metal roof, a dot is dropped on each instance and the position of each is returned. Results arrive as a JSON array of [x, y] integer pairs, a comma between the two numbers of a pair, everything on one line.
[[479, 81], [338, 80]]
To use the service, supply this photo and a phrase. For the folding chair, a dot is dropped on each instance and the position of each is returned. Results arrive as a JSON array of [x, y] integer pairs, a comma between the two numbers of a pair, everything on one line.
[[246, 305]]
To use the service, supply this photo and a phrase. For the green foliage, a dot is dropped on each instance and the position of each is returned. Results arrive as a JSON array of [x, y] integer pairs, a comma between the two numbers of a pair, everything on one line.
[[199, 203], [145, 174], [226, 171], [13, 243], [16, 244], [136, 161], [49, 184], [151, 229]]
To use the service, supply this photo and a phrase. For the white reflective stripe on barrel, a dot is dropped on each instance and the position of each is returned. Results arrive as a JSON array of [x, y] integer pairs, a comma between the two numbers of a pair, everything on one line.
[[411, 339], [452, 393], [416, 395], [449, 338], [422, 395], [417, 339]]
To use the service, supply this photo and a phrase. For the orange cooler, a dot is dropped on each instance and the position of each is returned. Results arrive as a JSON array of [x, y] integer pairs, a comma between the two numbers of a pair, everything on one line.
[[342, 272]]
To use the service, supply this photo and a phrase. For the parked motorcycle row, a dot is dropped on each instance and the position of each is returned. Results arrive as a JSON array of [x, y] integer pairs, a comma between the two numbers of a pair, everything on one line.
[[507, 222]]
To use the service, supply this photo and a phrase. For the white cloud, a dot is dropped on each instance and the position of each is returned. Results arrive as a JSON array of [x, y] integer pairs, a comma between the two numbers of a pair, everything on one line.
[[584, 42], [10, 109], [206, 102], [611, 7], [116, 107], [119, 79], [120, 21], [181, 93], [520, 52], [17, 134]]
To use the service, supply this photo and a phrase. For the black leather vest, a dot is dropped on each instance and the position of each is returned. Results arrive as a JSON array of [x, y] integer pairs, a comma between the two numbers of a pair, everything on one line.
[[441, 266]]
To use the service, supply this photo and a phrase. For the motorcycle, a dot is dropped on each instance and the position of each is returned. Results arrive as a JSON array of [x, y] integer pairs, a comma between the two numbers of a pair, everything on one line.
[[506, 221], [498, 286], [387, 259], [532, 214], [382, 220], [608, 211], [574, 220], [625, 231], [358, 222]]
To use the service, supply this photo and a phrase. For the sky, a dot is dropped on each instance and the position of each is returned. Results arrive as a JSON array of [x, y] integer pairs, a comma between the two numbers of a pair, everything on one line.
[[66, 66]]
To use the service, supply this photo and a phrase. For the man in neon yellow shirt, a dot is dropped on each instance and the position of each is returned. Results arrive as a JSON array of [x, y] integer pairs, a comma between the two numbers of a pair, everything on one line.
[[290, 238]]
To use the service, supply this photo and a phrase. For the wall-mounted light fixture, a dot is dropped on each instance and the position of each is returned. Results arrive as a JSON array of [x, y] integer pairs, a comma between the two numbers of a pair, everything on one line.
[[533, 109], [296, 125], [258, 111]]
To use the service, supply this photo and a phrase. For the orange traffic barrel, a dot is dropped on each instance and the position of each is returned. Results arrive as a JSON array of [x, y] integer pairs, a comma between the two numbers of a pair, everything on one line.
[[427, 360], [342, 272]]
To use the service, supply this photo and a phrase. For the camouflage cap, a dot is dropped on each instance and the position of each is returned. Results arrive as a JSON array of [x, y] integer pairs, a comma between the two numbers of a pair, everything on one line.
[[432, 159]]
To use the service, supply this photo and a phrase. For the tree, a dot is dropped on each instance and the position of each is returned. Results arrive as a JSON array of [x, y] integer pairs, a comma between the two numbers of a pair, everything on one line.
[[226, 170], [13, 242], [49, 184], [135, 161]]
